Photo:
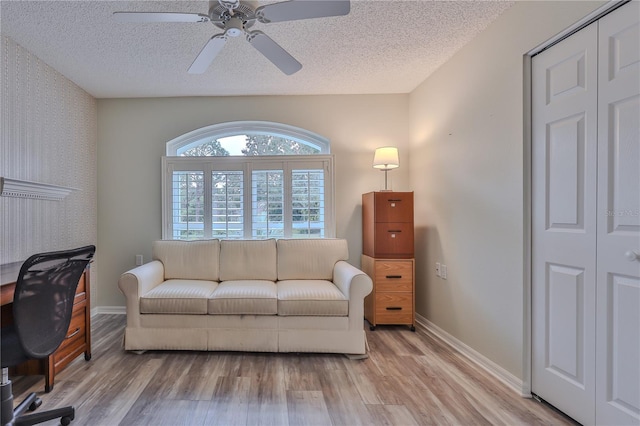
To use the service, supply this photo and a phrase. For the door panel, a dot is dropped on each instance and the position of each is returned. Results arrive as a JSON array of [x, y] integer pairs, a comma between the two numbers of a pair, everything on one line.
[[564, 150], [565, 323], [565, 173], [618, 278]]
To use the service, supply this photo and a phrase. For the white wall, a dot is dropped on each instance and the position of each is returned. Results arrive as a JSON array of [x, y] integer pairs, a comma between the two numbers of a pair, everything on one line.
[[132, 134], [49, 135], [466, 168]]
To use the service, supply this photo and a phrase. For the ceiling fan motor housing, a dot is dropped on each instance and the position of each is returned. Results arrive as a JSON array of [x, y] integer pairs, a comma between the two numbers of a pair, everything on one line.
[[222, 17]]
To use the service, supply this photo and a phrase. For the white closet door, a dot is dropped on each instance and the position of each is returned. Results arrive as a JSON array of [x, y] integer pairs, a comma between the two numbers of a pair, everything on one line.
[[618, 272], [564, 150]]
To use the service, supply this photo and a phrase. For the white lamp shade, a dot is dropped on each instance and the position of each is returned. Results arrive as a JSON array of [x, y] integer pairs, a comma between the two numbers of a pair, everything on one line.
[[386, 158]]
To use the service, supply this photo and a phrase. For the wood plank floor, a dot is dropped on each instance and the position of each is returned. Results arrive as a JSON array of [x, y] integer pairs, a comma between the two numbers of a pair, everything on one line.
[[409, 379]]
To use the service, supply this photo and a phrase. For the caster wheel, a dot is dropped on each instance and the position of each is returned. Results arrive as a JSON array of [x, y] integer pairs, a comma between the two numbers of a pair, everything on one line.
[[64, 421], [413, 328], [35, 404], [372, 327], [87, 357]]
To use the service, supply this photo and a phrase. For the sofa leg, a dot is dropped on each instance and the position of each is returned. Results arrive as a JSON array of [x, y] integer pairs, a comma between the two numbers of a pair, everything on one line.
[[138, 352], [357, 356]]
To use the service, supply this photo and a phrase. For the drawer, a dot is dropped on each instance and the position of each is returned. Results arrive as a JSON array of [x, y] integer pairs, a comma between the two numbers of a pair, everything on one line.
[[393, 239], [81, 290], [75, 334], [394, 308], [394, 276], [394, 207]]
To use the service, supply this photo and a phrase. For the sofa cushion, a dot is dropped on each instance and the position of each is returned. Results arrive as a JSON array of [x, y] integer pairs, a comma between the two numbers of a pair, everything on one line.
[[310, 259], [178, 297], [248, 260], [192, 260], [311, 297], [251, 297]]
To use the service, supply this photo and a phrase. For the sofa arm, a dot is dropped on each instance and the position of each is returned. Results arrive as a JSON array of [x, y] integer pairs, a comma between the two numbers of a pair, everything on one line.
[[137, 282], [355, 285]]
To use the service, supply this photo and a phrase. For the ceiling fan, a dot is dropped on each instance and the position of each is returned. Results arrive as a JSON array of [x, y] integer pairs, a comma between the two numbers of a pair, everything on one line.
[[236, 17]]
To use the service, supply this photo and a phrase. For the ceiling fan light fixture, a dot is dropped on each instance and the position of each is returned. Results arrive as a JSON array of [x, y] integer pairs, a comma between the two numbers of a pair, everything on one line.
[[234, 27]]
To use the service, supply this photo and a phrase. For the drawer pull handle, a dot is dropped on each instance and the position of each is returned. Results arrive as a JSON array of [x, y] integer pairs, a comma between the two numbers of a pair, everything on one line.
[[396, 200], [394, 308], [394, 276], [391, 230], [73, 334]]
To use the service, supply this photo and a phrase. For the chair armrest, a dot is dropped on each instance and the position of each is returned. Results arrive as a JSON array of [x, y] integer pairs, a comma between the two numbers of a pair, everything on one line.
[[355, 285], [136, 282]]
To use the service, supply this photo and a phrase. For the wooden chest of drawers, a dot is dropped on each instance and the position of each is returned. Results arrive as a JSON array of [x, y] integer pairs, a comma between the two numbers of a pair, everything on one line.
[[387, 246], [392, 299]]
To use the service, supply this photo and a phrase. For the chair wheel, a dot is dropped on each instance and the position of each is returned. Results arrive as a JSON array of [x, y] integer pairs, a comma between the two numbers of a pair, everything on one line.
[[35, 404], [65, 421]]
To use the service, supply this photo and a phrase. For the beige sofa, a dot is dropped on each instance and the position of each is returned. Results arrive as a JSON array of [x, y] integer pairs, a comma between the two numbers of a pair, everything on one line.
[[287, 295]]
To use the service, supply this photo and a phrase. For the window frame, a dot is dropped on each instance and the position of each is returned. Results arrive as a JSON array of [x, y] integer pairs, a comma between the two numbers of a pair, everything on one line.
[[247, 164]]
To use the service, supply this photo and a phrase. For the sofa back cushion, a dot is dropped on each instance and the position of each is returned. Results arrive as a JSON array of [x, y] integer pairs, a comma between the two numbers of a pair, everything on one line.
[[310, 259], [248, 260], [189, 260]]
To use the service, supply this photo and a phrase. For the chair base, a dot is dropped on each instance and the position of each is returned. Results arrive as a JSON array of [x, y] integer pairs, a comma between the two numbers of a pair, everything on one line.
[[16, 417]]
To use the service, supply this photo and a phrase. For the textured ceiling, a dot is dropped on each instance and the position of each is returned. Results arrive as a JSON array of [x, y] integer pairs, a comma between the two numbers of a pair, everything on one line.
[[380, 47]]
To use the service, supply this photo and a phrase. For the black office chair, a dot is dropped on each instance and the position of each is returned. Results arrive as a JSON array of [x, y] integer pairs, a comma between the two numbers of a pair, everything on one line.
[[42, 308]]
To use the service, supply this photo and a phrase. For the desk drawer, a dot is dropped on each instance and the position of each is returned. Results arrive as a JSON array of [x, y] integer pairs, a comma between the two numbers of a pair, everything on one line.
[[81, 291], [394, 308], [394, 276], [393, 207], [393, 240], [76, 335]]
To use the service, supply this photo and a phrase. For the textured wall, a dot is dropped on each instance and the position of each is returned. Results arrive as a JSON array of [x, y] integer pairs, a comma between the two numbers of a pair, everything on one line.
[[49, 135]]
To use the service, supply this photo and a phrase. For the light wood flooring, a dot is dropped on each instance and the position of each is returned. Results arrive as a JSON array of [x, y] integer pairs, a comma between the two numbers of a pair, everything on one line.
[[409, 379]]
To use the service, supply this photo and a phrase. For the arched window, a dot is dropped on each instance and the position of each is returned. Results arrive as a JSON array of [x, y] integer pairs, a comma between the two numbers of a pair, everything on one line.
[[248, 180], [248, 138]]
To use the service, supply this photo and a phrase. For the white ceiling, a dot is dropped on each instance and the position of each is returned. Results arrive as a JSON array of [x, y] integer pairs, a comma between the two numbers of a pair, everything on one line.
[[380, 47]]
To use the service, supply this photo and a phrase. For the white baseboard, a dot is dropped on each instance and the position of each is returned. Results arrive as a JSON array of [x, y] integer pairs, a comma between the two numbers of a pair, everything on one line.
[[474, 356], [111, 310]]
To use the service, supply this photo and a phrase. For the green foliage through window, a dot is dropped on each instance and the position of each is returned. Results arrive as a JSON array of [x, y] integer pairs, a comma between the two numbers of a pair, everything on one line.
[[254, 144]]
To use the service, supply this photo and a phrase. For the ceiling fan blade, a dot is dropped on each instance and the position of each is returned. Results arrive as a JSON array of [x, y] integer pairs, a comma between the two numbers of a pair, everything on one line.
[[273, 52], [208, 54], [302, 9], [159, 17]]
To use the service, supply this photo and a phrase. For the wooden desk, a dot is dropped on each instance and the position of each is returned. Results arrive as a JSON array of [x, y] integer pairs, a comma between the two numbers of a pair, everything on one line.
[[78, 338], [8, 276]]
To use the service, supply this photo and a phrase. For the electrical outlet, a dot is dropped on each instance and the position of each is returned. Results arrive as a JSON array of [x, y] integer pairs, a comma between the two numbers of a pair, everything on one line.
[[443, 271], [139, 259], [438, 274]]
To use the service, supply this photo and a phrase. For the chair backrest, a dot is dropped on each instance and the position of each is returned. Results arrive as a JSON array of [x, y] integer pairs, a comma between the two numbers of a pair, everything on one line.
[[43, 299]]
